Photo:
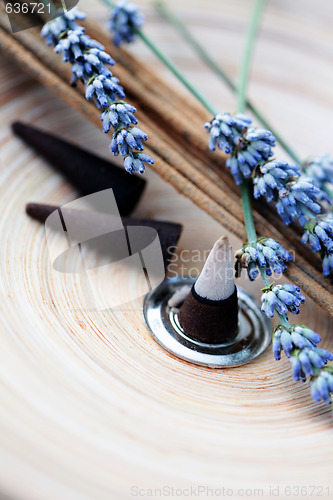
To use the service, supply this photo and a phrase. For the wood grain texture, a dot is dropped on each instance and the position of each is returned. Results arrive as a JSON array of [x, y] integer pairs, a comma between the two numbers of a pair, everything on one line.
[[91, 405]]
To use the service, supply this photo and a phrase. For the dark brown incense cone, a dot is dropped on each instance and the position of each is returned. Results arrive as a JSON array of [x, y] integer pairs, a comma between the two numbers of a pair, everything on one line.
[[87, 172], [168, 232], [209, 314]]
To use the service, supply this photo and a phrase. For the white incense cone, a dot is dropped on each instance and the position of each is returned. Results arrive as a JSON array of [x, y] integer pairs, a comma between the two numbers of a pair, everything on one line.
[[216, 281], [210, 311]]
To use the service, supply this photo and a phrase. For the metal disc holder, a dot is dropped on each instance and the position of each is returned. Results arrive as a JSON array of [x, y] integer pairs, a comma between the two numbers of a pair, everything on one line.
[[252, 339]]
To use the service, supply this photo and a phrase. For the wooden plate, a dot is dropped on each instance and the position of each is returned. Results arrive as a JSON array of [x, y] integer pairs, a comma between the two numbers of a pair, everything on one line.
[[92, 407]]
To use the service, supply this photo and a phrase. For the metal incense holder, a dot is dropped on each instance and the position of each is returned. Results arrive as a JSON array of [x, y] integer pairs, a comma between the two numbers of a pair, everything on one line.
[[252, 339]]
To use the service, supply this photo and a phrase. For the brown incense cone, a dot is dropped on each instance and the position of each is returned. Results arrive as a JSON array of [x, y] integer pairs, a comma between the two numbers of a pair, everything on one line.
[[87, 172], [108, 226], [209, 314]]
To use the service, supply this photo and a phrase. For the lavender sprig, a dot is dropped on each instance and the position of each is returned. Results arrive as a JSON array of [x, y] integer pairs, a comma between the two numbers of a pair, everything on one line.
[[124, 19], [265, 253], [295, 196], [247, 146], [299, 344], [91, 64], [250, 150]]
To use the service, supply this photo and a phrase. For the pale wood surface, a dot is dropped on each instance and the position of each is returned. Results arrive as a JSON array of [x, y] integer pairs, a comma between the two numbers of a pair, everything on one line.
[[90, 404]]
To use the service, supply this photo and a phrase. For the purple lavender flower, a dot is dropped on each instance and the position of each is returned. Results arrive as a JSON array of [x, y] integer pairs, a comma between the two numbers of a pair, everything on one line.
[[91, 64], [254, 146], [300, 345], [296, 199], [247, 146], [86, 55], [295, 195], [134, 162], [296, 337], [125, 18], [296, 369], [266, 253], [52, 30], [281, 298], [319, 234], [320, 169], [126, 139], [119, 113], [328, 264], [271, 176], [307, 361], [225, 131], [104, 89], [322, 385]]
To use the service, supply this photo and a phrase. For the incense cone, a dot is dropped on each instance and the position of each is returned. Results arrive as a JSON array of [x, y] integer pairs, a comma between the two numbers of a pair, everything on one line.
[[168, 232], [209, 314], [87, 172]]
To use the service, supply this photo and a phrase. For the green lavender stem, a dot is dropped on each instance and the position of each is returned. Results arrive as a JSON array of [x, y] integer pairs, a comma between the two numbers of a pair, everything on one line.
[[171, 66], [247, 56], [241, 101], [247, 210], [178, 74], [174, 20]]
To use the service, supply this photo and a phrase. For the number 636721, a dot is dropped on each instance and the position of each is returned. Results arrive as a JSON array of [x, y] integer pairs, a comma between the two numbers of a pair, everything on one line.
[[27, 8]]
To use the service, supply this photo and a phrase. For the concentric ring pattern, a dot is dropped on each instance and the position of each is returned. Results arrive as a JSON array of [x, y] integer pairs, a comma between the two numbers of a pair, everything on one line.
[[91, 407]]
